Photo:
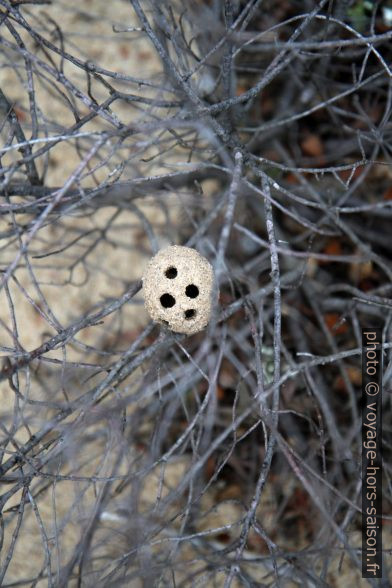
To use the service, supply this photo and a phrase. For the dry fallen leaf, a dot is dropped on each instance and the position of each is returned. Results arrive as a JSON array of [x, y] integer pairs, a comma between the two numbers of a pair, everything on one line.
[[312, 146], [332, 320]]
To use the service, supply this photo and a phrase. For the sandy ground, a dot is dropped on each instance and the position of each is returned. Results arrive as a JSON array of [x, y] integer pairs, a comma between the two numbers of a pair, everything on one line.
[[72, 291], [90, 37]]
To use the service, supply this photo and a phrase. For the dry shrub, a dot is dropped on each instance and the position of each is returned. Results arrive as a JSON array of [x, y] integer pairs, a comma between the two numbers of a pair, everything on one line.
[[258, 133]]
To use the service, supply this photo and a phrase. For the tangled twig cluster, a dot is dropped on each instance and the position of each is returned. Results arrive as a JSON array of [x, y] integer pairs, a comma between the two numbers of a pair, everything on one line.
[[259, 133]]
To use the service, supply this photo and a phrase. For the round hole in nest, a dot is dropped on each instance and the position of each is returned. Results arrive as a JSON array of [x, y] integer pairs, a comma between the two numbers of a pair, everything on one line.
[[167, 300], [190, 314], [192, 291], [171, 273]]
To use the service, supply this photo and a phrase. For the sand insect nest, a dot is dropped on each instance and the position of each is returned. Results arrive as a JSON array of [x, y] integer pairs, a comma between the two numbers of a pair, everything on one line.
[[178, 286]]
